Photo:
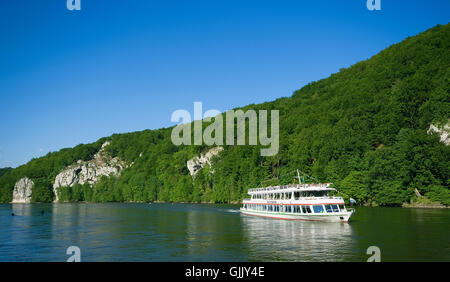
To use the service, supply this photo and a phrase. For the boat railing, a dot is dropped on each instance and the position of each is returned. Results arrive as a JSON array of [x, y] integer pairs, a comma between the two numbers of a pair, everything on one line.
[[302, 198], [282, 187]]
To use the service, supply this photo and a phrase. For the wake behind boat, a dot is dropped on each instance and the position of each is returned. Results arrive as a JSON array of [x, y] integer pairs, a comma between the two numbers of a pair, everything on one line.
[[297, 202]]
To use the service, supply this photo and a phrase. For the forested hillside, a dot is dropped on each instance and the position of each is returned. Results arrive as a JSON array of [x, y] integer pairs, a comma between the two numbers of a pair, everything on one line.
[[4, 170], [363, 128]]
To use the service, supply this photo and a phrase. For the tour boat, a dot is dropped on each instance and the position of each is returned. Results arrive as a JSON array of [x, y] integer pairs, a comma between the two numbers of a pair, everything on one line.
[[297, 202]]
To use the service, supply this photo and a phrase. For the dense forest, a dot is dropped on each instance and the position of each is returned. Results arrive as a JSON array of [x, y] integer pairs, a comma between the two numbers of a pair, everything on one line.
[[363, 128]]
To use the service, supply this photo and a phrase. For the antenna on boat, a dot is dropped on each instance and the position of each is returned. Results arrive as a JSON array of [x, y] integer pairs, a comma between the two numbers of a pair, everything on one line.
[[298, 175]]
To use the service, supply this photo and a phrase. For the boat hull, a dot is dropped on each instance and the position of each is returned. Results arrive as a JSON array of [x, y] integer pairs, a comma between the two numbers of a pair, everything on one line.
[[335, 217]]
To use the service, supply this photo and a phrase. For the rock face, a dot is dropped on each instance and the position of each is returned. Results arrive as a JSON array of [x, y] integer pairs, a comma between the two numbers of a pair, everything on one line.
[[198, 162], [444, 132], [22, 191], [88, 172]]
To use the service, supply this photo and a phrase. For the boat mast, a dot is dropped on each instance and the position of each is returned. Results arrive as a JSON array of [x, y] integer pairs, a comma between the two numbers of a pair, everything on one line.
[[298, 175]]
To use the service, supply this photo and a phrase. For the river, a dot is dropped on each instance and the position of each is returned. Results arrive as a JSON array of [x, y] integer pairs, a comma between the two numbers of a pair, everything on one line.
[[199, 232]]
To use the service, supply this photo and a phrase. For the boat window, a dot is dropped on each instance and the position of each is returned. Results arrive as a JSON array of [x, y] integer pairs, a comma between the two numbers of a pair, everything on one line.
[[319, 193], [318, 209], [288, 208], [335, 208], [342, 207], [328, 208], [297, 209]]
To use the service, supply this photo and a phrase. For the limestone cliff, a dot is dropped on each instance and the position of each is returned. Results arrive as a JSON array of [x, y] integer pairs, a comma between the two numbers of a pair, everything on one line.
[[22, 191], [89, 172], [443, 131], [198, 162]]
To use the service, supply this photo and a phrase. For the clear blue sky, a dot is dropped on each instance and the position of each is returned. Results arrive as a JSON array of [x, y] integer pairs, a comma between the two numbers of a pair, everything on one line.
[[70, 77]]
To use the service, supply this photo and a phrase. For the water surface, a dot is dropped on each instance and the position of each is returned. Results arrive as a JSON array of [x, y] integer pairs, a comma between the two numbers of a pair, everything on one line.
[[190, 232]]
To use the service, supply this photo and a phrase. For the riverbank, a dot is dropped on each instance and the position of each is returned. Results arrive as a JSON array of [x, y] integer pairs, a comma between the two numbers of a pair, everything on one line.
[[425, 205], [423, 202]]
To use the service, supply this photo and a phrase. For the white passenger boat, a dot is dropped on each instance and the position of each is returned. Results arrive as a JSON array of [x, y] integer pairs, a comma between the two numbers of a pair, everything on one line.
[[297, 202]]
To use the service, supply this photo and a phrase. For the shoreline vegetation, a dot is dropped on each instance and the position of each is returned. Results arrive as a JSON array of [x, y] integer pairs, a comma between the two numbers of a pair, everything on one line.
[[426, 204], [367, 129]]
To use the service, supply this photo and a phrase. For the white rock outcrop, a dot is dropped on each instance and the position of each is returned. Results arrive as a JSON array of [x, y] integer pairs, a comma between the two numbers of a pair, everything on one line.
[[22, 191], [88, 172], [443, 131], [198, 162]]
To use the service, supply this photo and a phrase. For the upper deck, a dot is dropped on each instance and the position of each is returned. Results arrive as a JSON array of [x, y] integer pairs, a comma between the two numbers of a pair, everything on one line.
[[292, 188]]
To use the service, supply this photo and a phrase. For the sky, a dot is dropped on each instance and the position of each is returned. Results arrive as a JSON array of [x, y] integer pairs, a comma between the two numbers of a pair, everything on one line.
[[71, 77]]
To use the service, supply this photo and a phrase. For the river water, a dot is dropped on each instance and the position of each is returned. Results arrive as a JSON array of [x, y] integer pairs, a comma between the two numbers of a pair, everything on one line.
[[195, 232]]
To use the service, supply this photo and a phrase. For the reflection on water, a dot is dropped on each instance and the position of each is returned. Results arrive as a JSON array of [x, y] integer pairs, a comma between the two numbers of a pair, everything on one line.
[[189, 232], [214, 234], [296, 240], [16, 238]]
